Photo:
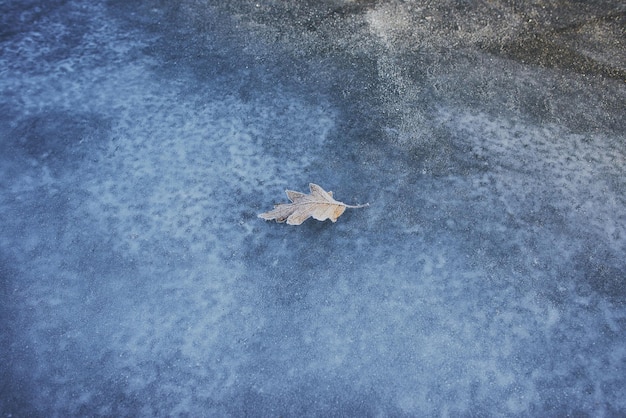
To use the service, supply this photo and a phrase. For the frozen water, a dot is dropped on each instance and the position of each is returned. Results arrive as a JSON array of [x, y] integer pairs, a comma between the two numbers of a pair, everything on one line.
[[139, 140]]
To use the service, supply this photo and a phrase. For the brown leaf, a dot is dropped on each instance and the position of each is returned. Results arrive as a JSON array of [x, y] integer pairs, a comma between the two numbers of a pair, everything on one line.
[[319, 204]]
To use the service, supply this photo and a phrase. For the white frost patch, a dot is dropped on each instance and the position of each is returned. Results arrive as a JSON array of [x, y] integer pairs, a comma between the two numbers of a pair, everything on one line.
[[192, 172], [582, 178]]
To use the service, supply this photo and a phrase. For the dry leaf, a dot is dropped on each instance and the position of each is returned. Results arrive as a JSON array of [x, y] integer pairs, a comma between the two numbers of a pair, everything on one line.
[[319, 204]]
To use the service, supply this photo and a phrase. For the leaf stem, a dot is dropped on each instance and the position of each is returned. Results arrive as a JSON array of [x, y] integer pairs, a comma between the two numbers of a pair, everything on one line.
[[364, 205]]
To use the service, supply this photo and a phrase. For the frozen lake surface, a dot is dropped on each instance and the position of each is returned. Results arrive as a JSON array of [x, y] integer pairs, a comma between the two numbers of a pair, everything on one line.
[[139, 141]]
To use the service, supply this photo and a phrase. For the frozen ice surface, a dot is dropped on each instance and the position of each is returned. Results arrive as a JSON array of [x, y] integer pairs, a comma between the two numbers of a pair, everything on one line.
[[139, 140]]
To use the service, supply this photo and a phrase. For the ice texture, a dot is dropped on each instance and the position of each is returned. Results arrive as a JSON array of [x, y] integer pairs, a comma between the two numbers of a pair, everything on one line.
[[139, 141]]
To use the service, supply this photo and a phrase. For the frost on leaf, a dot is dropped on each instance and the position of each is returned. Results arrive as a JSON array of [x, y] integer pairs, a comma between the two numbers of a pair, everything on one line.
[[319, 204]]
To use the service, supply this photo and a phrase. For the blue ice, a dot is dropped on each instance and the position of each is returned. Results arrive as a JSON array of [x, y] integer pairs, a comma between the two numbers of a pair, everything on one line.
[[138, 143]]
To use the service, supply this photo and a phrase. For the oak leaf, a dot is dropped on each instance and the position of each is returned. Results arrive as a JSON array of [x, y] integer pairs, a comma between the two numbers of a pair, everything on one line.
[[319, 204]]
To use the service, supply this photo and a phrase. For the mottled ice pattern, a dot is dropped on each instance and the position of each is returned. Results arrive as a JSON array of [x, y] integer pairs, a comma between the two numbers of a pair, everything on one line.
[[139, 140]]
